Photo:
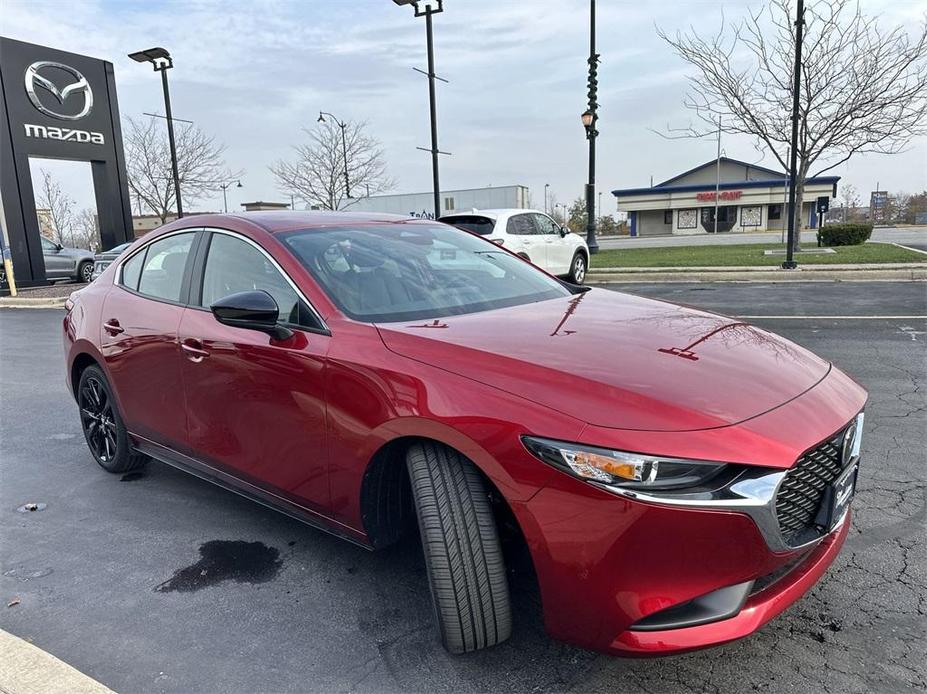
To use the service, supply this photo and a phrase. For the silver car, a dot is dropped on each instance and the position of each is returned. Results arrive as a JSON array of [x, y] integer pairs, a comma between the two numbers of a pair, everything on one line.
[[62, 263], [103, 260]]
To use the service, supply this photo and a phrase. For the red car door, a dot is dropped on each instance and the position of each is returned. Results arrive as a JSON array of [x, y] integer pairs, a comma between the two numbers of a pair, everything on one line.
[[255, 405], [141, 316]]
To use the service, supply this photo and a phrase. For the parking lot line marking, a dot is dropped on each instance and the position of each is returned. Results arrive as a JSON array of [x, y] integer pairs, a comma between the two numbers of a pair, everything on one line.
[[839, 317], [27, 669]]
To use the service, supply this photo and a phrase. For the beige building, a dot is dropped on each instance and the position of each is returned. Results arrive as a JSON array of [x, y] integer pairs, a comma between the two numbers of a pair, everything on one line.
[[750, 198], [143, 223]]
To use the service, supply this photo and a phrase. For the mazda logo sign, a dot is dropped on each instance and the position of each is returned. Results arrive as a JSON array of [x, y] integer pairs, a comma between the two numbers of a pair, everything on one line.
[[79, 88]]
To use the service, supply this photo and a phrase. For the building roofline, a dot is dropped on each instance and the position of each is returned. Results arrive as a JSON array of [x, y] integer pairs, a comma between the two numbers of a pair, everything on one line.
[[688, 188], [711, 162], [443, 192]]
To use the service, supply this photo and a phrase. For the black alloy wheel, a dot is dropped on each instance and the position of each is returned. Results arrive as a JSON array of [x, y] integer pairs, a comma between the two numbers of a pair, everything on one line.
[[98, 419]]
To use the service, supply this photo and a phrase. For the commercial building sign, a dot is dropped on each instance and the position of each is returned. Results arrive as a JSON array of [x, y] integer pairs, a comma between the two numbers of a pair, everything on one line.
[[724, 195], [57, 105]]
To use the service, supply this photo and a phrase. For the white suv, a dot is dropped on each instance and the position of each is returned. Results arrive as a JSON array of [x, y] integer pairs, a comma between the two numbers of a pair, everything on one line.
[[532, 235]]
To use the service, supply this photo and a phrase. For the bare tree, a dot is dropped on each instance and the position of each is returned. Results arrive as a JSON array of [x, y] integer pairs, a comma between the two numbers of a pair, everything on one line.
[[864, 88], [148, 164], [317, 174], [86, 230], [849, 200], [59, 206]]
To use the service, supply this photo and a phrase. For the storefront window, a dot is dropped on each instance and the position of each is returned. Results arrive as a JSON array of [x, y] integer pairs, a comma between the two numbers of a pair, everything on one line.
[[688, 219], [775, 211], [667, 216], [751, 216]]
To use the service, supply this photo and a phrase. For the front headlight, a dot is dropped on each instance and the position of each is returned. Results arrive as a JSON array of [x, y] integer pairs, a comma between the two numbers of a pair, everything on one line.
[[619, 468]]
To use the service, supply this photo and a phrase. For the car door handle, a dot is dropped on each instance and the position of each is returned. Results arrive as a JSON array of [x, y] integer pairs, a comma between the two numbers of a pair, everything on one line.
[[112, 327], [194, 350]]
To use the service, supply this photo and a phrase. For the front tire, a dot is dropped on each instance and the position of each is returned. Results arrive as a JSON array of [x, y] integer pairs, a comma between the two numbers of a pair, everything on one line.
[[103, 427], [466, 570], [578, 268], [85, 271]]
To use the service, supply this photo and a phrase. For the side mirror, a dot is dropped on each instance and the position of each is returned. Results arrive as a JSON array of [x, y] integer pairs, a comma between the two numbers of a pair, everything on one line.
[[254, 310], [59, 247], [563, 232]]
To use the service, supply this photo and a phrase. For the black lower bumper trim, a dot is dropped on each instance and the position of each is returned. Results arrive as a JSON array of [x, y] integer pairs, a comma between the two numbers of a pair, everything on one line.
[[711, 607]]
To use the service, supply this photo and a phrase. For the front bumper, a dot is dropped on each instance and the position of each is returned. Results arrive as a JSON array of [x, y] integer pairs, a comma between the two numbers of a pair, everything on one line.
[[605, 562], [760, 608]]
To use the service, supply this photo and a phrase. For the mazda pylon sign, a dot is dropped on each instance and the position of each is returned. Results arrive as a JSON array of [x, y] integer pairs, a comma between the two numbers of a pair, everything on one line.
[[57, 105]]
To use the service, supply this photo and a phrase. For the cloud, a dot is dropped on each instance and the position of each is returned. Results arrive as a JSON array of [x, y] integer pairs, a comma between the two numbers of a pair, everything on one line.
[[253, 73]]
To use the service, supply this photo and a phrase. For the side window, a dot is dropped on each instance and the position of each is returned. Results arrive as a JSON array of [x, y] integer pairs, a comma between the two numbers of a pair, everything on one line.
[[162, 273], [233, 266], [132, 270], [520, 225], [48, 246], [546, 225]]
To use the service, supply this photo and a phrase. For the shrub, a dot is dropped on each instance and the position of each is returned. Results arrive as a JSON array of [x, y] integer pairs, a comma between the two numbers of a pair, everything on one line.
[[844, 234]]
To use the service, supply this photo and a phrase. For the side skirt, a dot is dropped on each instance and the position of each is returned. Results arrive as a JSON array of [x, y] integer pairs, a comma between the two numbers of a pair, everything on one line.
[[249, 491]]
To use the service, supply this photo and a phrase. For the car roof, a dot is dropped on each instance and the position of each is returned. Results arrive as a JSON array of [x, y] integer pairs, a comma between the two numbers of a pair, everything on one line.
[[291, 220]]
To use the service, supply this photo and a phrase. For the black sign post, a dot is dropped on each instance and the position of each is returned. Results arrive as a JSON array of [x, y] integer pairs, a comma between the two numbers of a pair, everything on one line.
[[57, 105]]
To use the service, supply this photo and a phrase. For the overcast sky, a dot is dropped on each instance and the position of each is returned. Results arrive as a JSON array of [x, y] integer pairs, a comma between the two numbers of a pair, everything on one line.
[[253, 73]]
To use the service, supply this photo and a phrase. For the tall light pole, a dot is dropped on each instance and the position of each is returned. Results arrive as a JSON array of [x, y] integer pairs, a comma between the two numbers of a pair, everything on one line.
[[427, 8], [225, 187], [161, 61], [344, 148], [590, 118], [790, 263], [546, 186]]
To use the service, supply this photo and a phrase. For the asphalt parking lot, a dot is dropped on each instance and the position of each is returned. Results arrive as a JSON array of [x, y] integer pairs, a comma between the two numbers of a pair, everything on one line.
[[128, 578]]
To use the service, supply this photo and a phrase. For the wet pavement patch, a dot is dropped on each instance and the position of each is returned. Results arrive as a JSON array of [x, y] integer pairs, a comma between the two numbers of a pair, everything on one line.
[[132, 476], [226, 560]]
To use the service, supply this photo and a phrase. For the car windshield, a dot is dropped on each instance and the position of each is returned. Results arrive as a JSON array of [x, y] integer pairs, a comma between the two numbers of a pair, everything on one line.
[[413, 271]]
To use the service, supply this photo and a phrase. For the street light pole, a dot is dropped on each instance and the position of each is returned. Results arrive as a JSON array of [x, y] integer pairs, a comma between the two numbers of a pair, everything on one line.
[[434, 114], [344, 148], [429, 8], [161, 61], [546, 186], [590, 119], [225, 187], [790, 263]]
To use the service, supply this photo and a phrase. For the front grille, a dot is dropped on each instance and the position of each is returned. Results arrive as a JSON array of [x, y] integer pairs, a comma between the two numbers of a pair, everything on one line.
[[799, 496]]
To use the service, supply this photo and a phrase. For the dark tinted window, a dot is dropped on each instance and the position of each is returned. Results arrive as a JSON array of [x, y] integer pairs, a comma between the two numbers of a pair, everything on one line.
[[395, 272], [521, 225], [478, 225], [545, 224], [162, 274], [234, 265], [775, 211], [667, 216], [132, 269]]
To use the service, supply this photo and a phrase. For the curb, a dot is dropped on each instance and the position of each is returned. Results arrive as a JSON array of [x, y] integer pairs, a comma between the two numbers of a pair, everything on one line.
[[27, 669], [917, 274], [25, 302]]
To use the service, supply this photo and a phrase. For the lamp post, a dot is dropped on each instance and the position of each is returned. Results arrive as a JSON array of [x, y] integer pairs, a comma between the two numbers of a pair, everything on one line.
[[427, 8], [790, 263], [225, 187], [344, 148], [161, 61], [546, 186], [590, 118]]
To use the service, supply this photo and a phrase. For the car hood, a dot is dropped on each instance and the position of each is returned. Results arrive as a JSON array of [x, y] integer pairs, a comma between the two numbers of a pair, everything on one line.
[[619, 361]]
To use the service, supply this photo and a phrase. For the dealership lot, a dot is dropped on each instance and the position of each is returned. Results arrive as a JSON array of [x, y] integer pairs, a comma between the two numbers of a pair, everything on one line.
[[160, 582]]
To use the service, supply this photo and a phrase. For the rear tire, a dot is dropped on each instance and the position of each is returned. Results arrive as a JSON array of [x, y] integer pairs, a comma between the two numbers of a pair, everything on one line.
[[466, 570], [85, 271], [103, 427], [578, 268]]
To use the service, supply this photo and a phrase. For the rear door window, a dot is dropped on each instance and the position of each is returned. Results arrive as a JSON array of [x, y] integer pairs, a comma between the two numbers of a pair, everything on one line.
[[473, 223], [521, 225], [163, 271]]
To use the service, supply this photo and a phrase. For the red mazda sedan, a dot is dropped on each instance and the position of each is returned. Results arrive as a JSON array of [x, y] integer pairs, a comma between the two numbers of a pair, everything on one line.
[[679, 478]]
